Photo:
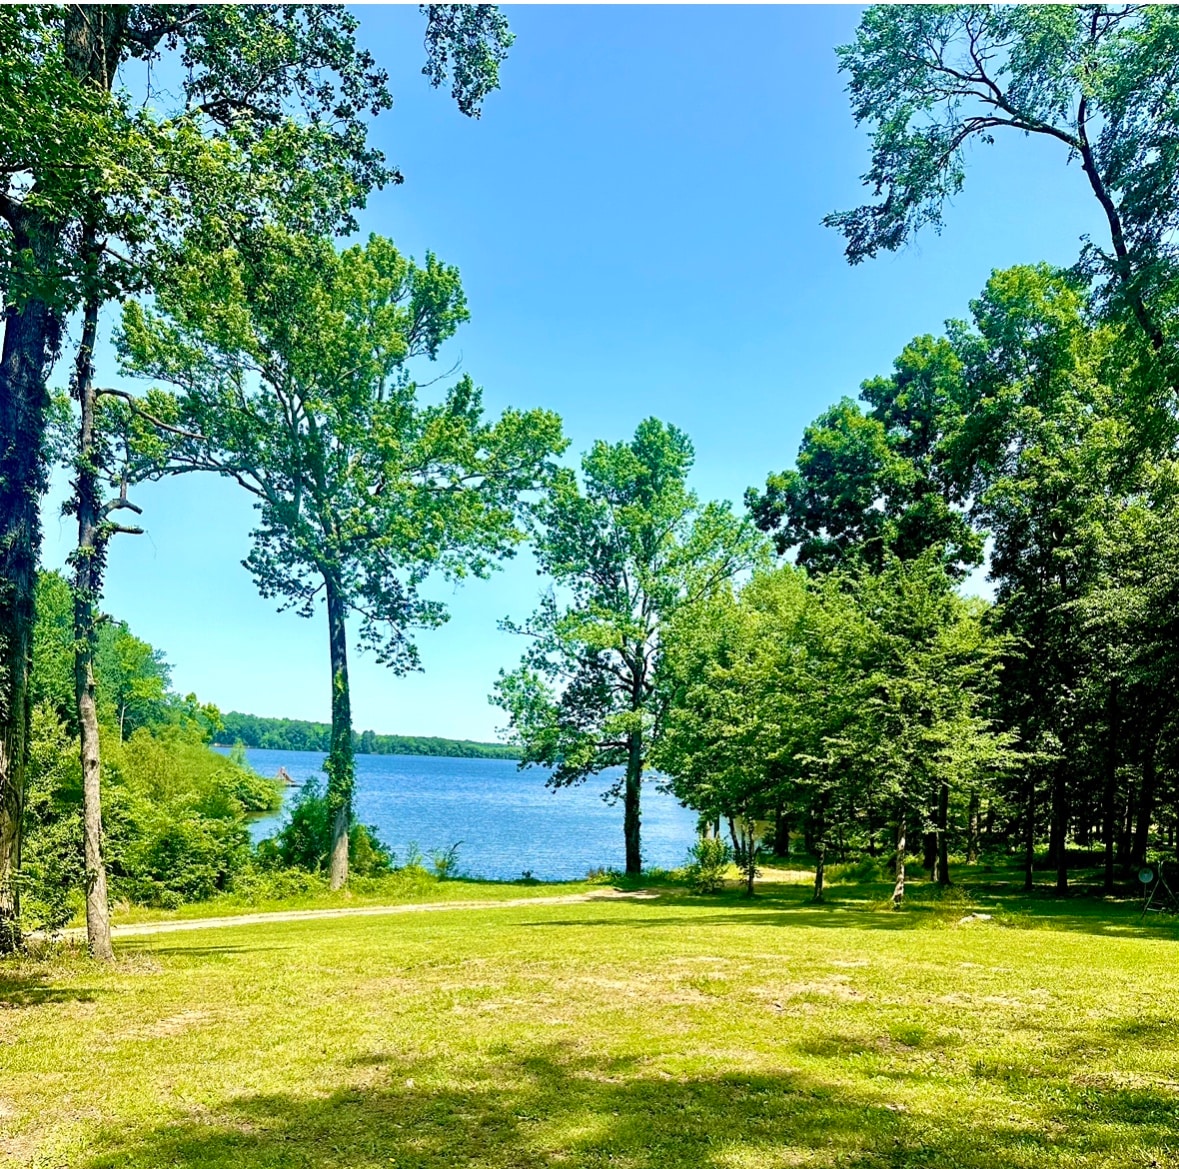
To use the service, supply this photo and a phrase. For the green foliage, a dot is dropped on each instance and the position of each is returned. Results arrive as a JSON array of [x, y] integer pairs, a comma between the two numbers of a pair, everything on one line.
[[175, 811], [369, 491], [1095, 81], [304, 838], [708, 864], [52, 875], [445, 861], [869, 486], [467, 43]]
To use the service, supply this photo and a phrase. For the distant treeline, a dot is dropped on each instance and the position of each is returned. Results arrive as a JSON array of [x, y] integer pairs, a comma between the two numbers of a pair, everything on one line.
[[289, 734]]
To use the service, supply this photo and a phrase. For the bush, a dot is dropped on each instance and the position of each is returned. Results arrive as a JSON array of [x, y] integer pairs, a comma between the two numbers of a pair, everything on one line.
[[445, 861], [708, 862], [52, 873], [303, 841], [186, 859], [254, 885]]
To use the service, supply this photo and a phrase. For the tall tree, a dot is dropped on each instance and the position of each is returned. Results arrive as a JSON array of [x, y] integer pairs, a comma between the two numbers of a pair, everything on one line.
[[1043, 456], [289, 359], [629, 549], [271, 125], [1093, 80]]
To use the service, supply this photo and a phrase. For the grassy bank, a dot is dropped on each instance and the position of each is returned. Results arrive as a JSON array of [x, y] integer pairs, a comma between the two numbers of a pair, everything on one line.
[[677, 1031]]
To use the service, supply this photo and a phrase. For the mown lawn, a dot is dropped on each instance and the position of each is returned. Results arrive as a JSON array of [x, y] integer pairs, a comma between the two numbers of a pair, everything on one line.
[[669, 1031]]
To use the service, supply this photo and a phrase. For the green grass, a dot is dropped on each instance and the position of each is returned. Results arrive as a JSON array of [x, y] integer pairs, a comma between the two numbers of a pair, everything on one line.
[[676, 1031]]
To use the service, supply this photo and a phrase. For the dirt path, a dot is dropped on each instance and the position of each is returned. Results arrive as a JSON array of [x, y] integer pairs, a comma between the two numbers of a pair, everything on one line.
[[207, 923]]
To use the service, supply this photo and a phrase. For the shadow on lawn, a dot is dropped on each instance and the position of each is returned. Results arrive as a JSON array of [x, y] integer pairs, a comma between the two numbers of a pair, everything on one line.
[[33, 988], [865, 906], [522, 1110]]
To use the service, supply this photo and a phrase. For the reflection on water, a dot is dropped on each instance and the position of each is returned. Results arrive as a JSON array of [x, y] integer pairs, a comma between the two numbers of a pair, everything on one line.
[[508, 821]]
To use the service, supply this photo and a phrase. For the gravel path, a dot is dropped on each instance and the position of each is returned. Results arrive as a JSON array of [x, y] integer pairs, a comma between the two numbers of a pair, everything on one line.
[[208, 923]]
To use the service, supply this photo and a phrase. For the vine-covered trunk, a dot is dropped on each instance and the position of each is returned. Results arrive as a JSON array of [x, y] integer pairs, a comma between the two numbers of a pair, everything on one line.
[[898, 888], [88, 567], [631, 806], [340, 765], [31, 335]]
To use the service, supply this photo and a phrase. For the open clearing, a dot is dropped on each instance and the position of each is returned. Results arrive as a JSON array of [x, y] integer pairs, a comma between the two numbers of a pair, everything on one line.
[[639, 1033]]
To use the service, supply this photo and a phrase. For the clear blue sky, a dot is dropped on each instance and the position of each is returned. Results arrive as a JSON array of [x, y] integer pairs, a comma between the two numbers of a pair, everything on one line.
[[636, 218]]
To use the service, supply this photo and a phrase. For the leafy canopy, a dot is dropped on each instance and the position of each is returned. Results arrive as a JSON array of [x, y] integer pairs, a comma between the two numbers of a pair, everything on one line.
[[290, 362]]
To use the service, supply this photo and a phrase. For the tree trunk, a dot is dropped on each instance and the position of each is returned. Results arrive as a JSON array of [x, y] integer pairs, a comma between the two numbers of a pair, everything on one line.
[[929, 854], [1060, 826], [781, 832], [943, 825], [1145, 802], [820, 820], [1109, 793], [340, 765], [631, 804], [89, 559], [972, 828], [898, 889], [32, 333]]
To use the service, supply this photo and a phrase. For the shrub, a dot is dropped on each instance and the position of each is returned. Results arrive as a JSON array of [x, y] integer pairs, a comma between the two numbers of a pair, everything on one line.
[[52, 874], [303, 841], [254, 885], [445, 861], [856, 872], [708, 862]]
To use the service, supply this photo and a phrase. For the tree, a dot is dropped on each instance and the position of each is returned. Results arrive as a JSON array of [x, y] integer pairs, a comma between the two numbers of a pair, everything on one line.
[[630, 549], [870, 485], [752, 707], [1095, 80], [96, 187], [1043, 456], [931, 666], [95, 529], [289, 361]]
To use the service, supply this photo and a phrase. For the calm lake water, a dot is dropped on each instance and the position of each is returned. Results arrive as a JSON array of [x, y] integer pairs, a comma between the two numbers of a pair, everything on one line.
[[507, 820]]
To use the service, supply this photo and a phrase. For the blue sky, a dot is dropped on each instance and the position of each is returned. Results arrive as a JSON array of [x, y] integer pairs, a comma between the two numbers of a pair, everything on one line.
[[637, 221]]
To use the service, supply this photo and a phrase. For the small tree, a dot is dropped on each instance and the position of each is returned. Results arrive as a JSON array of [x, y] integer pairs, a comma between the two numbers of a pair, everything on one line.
[[630, 549], [290, 360]]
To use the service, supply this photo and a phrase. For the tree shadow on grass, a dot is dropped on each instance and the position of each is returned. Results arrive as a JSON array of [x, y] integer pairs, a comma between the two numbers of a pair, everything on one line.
[[515, 1110], [865, 906], [21, 988]]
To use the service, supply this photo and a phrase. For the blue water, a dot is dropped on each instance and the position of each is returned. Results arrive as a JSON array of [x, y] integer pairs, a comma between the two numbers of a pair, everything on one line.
[[507, 820]]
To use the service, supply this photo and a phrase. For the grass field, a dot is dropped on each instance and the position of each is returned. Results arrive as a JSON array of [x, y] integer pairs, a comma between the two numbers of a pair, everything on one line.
[[666, 1031]]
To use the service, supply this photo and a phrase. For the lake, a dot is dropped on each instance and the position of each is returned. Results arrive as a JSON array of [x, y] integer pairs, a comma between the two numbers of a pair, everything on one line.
[[507, 820]]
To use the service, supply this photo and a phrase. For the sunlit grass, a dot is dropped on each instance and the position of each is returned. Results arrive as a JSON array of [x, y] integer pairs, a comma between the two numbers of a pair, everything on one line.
[[675, 1031]]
